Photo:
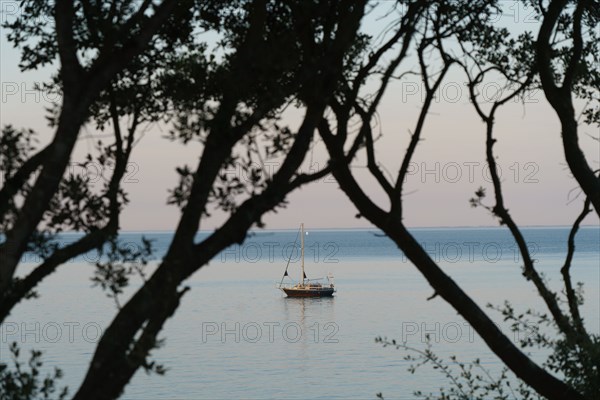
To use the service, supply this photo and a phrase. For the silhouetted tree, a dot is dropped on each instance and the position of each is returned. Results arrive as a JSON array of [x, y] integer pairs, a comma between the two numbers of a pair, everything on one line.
[[484, 49], [277, 55], [142, 62], [106, 73], [93, 42]]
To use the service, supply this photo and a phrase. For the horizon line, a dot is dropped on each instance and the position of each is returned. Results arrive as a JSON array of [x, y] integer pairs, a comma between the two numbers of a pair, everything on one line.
[[356, 228]]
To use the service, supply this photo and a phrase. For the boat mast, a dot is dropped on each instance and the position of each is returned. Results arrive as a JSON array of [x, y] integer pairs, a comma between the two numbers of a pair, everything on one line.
[[302, 250]]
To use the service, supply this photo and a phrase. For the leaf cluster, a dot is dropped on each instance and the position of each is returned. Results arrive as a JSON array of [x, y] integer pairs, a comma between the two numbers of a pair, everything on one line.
[[120, 261], [24, 382], [468, 380], [578, 364]]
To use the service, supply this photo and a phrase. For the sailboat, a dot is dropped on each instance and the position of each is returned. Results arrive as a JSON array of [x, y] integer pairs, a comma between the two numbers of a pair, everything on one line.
[[306, 287]]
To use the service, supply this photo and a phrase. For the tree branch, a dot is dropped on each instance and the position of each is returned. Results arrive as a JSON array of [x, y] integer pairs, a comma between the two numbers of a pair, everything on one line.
[[517, 361], [108, 373], [561, 98], [367, 133], [90, 241], [416, 135], [529, 270], [71, 70], [79, 94], [17, 180], [571, 70], [565, 270], [22, 287]]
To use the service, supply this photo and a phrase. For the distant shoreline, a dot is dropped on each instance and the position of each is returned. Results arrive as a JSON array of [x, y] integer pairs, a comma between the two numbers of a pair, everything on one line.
[[363, 229]]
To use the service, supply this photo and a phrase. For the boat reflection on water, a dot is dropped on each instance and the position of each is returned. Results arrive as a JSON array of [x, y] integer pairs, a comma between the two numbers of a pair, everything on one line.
[[309, 321]]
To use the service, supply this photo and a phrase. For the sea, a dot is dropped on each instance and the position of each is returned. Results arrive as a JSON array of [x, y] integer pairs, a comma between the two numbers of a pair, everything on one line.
[[236, 336]]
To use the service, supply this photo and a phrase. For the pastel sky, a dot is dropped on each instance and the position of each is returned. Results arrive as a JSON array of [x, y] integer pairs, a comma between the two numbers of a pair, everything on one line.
[[448, 166]]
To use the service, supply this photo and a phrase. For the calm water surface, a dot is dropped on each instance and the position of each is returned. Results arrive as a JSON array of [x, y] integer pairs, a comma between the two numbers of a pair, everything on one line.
[[236, 336]]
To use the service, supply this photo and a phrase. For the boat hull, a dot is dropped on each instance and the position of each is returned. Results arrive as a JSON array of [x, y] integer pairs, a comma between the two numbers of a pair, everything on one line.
[[298, 292]]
